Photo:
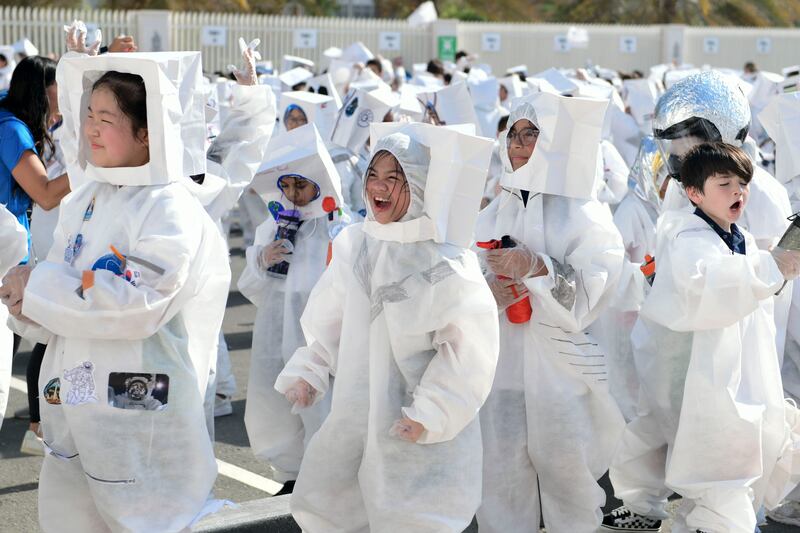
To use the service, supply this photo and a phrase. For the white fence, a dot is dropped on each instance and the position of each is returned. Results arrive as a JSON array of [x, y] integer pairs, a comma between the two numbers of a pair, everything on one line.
[[301, 36], [501, 45], [45, 27]]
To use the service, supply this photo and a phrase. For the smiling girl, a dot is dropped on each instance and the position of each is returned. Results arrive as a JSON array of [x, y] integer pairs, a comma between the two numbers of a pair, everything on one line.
[[407, 326], [132, 291]]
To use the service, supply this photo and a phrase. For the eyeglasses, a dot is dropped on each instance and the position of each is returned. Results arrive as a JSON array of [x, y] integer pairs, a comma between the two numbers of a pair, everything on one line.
[[526, 137]]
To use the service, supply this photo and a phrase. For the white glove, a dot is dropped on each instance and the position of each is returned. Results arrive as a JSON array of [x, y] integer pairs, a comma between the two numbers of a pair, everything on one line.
[[274, 253], [76, 39], [247, 76], [788, 262], [300, 395], [515, 263], [13, 288], [506, 292]]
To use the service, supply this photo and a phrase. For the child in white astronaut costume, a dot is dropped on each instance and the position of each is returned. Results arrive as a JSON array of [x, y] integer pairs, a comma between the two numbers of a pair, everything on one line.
[[550, 420], [302, 180], [711, 423], [135, 284], [404, 320], [232, 160], [779, 119], [13, 249], [635, 218]]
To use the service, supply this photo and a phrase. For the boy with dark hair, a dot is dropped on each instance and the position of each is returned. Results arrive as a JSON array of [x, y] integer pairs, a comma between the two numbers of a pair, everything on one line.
[[710, 421]]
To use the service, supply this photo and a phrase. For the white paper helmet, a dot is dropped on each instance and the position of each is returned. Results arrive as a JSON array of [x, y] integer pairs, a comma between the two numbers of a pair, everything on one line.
[[453, 182], [294, 76], [291, 62], [323, 84], [448, 105], [359, 109], [357, 52], [781, 120], [300, 153], [551, 81], [641, 96], [25, 47], [564, 160], [423, 15], [175, 112], [318, 109]]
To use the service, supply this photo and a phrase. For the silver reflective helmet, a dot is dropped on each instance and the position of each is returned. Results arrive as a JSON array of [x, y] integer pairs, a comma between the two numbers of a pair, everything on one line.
[[647, 174], [703, 107]]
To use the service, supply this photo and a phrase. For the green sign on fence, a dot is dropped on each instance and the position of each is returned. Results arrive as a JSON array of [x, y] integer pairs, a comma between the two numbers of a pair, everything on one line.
[[447, 47]]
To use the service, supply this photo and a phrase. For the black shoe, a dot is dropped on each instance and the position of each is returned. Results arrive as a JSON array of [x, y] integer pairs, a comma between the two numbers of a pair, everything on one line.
[[288, 487], [622, 519]]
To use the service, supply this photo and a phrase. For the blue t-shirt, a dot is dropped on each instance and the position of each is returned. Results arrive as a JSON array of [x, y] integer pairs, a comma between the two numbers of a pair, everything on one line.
[[15, 138]]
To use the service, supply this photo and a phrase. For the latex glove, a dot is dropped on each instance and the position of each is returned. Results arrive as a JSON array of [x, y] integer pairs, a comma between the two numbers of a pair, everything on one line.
[[504, 291], [13, 288], [406, 429], [515, 263], [788, 262], [123, 43], [76, 39], [274, 253], [247, 76], [300, 395]]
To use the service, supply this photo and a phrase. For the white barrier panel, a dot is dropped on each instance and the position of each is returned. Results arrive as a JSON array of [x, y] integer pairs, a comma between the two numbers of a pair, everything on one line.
[[501, 45]]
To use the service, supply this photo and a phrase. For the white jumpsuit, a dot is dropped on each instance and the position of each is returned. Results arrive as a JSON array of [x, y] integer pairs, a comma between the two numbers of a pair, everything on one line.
[[277, 434], [110, 468], [13, 249], [711, 419], [148, 311], [550, 421], [407, 329]]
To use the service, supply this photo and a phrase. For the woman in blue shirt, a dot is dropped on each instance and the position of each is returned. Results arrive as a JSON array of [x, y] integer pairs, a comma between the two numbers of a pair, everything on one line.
[[26, 113]]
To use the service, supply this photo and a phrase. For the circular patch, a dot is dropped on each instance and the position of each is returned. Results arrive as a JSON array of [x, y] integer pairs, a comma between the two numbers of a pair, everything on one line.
[[365, 118]]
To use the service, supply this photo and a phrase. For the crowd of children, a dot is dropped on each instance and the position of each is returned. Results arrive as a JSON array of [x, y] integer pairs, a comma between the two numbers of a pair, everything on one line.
[[475, 295]]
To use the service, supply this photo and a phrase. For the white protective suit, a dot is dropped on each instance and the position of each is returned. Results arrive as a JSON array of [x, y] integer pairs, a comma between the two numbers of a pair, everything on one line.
[[779, 119], [614, 184], [232, 160], [710, 423], [110, 469], [404, 320], [277, 433], [13, 249], [550, 421], [635, 218]]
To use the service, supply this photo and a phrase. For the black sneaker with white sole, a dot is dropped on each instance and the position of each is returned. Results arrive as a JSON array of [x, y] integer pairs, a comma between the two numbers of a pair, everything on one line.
[[623, 519]]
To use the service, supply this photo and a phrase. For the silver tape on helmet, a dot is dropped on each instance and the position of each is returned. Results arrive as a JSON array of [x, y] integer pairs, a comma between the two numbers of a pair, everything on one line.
[[707, 95]]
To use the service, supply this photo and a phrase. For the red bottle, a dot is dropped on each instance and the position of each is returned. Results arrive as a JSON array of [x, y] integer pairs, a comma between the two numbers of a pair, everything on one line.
[[520, 312]]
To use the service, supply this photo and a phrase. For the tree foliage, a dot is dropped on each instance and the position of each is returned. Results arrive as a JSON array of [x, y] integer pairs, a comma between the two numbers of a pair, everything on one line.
[[694, 12]]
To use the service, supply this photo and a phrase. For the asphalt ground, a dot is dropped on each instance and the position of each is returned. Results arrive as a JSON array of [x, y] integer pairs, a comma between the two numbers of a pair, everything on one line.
[[19, 474]]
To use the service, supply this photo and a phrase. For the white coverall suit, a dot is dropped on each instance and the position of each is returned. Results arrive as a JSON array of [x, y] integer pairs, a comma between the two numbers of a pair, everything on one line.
[[278, 434], [550, 421], [13, 249], [710, 423], [233, 159], [408, 327], [109, 468]]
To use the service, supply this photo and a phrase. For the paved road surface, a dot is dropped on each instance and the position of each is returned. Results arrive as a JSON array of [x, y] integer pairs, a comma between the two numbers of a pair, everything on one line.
[[19, 473]]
